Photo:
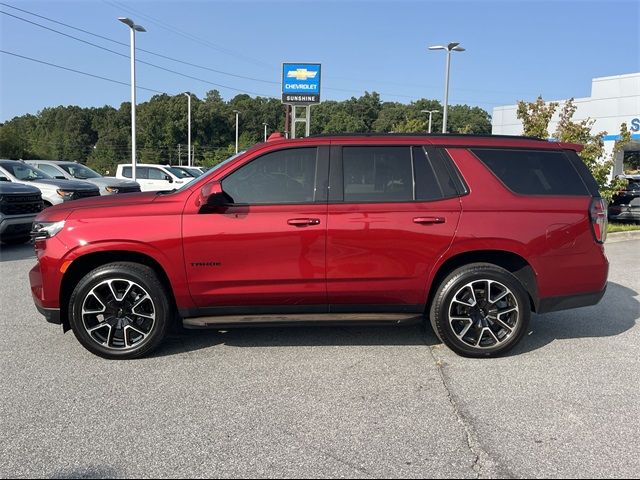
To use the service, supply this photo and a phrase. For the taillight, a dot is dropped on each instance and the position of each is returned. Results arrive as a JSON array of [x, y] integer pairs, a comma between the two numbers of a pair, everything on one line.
[[598, 214]]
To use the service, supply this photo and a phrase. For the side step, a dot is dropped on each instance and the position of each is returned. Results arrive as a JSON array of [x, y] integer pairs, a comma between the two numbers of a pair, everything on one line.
[[219, 321]]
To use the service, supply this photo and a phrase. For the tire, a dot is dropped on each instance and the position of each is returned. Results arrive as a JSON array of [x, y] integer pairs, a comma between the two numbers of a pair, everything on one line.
[[120, 311], [494, 324]]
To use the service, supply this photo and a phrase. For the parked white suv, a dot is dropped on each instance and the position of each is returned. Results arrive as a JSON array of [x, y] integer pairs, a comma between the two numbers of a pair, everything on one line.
[[155, 177], [54, 190], [77, 171]]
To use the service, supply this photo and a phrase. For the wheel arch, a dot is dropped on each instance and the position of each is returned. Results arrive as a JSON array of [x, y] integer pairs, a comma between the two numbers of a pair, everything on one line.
[[517, 265], [85, 263]]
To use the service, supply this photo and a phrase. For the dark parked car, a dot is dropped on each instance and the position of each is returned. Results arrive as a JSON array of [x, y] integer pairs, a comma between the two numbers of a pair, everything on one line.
[[19, 205], [625, 206]]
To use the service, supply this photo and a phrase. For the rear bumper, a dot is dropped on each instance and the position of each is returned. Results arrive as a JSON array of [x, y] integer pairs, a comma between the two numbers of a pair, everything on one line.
[[553, 304]]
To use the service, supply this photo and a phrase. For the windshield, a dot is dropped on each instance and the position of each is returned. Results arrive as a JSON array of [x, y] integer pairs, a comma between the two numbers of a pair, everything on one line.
[[24, 172], [79, 171], [178, 172], [194, 171], [213, 169]]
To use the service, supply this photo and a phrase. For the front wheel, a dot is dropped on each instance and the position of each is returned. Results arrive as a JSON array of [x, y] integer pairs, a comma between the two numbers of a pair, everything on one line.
[[120, 311], [480, 310]]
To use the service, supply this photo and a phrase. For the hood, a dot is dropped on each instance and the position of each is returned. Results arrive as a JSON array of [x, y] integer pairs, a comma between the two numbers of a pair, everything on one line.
[[11, 188], [64, 184], [63, 210], [111, 182]]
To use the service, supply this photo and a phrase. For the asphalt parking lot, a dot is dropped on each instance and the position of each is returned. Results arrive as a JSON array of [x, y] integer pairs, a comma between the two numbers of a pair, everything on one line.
[[319, 402]]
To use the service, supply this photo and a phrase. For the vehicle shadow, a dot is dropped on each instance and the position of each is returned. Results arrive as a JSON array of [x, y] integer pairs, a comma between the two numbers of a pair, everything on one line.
[[297, 336], [10, 253], [617, 313]]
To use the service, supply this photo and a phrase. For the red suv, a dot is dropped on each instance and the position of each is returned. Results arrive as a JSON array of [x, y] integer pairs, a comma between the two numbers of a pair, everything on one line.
[[472, 232]]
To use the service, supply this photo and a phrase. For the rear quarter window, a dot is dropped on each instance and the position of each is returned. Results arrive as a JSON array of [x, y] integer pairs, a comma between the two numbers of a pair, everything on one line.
[[533, 172]]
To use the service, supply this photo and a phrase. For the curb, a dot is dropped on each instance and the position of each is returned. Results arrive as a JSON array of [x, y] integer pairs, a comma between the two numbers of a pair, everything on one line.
[[623, 236]]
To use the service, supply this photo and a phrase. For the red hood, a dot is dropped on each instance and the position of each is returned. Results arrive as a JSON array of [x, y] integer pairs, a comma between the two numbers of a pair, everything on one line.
[[63, 210]]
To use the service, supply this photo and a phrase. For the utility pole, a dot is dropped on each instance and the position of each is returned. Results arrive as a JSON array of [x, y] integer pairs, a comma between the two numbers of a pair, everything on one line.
[[179, 156], [237, 112], [189, 133], [451, 47], [133, 28]]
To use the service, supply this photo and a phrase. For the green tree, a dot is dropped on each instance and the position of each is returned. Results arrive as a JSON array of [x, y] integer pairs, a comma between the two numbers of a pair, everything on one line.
[[536, 116]]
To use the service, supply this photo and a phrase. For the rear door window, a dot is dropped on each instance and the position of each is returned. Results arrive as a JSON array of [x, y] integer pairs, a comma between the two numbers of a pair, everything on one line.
[[377, 174], [533, 172]]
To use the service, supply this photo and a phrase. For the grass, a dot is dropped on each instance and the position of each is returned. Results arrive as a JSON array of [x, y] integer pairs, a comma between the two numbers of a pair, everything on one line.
[[622, 227]]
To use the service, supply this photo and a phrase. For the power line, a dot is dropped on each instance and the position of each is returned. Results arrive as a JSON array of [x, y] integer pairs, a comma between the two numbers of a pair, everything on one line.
[[187, 35], [79, 71], [184, 62], [175, 72]]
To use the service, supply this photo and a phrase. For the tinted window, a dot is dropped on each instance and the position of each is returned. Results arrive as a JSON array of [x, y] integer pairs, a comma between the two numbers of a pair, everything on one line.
[[141, 172], [50, 170], [377, 174], [79, 171], [447, 174], [126, 172], [285, 176], [24, 172], [433, 178], [533, 172]]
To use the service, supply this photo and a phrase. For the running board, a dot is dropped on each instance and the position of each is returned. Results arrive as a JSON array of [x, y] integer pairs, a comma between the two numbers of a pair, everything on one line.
[[302, 319]]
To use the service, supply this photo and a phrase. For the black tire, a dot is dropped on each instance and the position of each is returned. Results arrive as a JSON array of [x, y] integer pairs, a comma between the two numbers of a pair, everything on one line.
[[144, 283], [15, 240], [467, 281]]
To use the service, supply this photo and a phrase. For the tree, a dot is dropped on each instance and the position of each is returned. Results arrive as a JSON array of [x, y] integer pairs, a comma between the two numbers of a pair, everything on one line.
[[536, 116], [411, 126]]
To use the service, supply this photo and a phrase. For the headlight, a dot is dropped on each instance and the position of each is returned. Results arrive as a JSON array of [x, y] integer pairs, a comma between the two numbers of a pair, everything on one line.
[[43, 230], [64, 193], [111, 189]]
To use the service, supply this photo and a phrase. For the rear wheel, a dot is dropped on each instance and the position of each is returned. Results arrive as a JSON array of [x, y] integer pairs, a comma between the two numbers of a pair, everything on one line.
[[120, 311], [480, 310]]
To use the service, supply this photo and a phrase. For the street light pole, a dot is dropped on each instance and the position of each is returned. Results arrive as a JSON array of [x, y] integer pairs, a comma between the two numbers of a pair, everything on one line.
[[189, 132], [265, 130], [451, 47], [430, 112], [133, 28], [237, 112]]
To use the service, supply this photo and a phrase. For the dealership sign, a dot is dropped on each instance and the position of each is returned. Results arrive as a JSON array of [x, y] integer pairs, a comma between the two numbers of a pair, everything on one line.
[[301, 83]]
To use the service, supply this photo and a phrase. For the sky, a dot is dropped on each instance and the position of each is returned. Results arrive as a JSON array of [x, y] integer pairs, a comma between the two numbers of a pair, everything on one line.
[[515, 50]]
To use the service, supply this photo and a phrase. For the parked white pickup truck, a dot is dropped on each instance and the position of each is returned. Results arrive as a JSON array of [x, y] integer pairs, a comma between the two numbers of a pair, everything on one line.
[[155, 177]]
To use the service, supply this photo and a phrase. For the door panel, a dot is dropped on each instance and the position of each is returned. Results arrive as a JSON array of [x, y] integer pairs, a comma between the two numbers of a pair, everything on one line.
[[252, 255], [378, 254], [269, 246], [381, 249]]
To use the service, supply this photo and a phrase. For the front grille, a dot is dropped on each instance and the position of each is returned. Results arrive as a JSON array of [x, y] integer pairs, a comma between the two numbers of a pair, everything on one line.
[[78, 194], [20, 204], [20, 198]]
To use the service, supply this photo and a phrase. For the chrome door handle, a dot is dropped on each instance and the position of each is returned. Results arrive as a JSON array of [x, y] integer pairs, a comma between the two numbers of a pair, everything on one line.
[[303, 222], [428, 220]]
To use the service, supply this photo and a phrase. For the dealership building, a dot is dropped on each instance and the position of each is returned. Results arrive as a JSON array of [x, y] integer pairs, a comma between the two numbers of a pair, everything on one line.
[[613, 101]]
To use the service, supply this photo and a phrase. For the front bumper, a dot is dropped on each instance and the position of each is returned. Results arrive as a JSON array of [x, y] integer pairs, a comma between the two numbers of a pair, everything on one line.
[[51, 315], [14, 227]]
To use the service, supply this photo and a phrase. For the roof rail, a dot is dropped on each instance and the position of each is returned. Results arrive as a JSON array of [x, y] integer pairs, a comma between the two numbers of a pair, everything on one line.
[[449, 135]]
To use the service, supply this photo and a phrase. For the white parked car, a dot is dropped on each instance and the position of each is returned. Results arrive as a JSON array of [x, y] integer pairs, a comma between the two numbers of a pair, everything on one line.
[[155, 177], [77, 171], [54, 190]]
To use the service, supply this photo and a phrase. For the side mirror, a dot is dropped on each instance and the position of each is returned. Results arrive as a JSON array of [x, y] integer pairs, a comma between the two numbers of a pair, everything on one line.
[[168, 178], [212, 195], [4, 179], [61, 177]]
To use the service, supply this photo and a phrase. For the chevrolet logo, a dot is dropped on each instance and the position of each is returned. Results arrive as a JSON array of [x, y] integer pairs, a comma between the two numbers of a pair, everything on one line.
[[301, 74]]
